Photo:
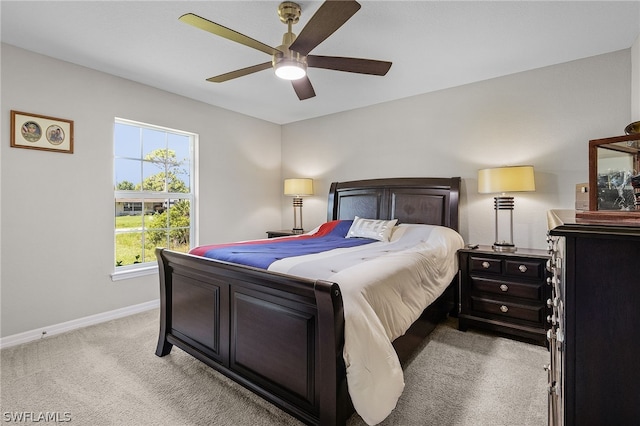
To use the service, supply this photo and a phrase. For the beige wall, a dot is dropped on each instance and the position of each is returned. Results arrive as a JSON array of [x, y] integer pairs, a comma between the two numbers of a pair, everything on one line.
[[56, 266], [57, 209], [543, 117]]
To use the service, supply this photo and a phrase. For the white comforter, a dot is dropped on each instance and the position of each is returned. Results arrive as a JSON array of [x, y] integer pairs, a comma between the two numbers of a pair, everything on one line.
[[385, 287]]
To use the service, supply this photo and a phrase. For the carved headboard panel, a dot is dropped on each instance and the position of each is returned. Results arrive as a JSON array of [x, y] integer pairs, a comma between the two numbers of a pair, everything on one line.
[[432, 201]]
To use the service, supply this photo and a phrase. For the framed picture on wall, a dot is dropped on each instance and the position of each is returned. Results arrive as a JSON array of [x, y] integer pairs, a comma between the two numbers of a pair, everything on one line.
[[33, 131]]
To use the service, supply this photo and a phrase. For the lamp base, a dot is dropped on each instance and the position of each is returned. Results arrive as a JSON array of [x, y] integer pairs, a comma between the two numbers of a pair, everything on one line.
[[504, 247], [297, 231]]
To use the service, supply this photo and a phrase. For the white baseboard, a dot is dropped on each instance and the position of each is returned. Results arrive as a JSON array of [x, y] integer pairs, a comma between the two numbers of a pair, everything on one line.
[[43, 332]]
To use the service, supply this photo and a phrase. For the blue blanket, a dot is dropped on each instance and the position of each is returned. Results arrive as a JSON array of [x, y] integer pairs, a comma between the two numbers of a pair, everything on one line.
[[262, 253]]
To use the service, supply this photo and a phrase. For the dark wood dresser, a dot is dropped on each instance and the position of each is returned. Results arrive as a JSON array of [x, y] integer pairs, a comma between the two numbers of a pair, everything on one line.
[[505, 292], [594, 373]]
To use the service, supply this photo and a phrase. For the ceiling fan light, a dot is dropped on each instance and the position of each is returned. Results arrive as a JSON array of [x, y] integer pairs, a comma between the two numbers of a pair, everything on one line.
[[290, 70]]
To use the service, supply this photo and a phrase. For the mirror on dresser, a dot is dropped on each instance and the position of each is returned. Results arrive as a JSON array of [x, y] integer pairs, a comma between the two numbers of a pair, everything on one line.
[[614, 169]]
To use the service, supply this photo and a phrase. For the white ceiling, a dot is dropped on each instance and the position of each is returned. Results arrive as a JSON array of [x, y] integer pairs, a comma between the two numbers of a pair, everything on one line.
[[433, 45]]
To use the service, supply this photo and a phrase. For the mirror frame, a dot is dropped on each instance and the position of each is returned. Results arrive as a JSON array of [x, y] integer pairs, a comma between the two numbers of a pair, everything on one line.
[[593, 179]]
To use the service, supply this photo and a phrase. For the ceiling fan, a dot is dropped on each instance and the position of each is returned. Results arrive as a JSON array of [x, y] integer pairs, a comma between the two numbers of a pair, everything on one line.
[[291, 59]]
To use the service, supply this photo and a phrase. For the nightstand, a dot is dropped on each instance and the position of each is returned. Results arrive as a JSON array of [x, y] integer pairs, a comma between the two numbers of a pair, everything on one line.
[[281, 233], [505, 292]]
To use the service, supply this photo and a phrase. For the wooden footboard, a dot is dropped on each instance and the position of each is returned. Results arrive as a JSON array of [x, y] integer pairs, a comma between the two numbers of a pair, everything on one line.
[[279, 336]]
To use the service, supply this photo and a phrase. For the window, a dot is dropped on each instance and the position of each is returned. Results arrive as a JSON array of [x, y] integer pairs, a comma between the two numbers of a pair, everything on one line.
[[153, 193]]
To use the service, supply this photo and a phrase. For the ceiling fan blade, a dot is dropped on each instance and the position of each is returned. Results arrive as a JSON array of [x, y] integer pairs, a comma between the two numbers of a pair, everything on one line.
[[239, 73], [358, 65], [331, 15], [303, 88], [217, 29]]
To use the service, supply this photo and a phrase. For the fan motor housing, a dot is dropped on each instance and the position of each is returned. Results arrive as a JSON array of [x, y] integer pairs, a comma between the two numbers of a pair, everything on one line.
[[289, 11]]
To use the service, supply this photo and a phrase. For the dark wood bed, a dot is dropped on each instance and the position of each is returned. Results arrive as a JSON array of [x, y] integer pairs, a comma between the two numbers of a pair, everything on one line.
[[279, 335]]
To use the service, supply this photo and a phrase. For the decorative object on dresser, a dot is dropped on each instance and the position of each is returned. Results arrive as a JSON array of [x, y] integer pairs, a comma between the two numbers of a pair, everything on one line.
[[614, 166], [582, 196], [298, 188], [594, 341], [633, 128], [502, 180], [504, 292]]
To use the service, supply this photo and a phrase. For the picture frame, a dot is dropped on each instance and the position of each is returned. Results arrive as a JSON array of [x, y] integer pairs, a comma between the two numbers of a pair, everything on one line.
[[34, 131]]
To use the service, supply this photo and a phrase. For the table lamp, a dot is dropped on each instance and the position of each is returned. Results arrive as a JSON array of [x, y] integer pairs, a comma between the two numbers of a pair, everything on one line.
[[502, 180], [298, 188]]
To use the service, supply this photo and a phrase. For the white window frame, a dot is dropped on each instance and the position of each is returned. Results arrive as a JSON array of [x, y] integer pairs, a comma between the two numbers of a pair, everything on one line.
[[151, 267]]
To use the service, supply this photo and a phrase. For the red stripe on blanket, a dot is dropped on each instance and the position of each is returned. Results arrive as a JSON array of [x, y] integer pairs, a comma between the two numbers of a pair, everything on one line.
[[324, 229]]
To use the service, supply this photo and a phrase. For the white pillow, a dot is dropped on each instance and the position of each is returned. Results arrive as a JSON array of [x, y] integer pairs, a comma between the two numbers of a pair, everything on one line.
[[371, 228]]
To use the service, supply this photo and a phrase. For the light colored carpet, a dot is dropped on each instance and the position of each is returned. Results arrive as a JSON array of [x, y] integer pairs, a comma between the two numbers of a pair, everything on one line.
[[108, 374]]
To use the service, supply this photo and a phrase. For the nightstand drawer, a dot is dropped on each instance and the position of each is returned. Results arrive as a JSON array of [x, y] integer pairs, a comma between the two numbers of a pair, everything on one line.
[[525, 312], [524, 269], [485, 264], [507, 288]]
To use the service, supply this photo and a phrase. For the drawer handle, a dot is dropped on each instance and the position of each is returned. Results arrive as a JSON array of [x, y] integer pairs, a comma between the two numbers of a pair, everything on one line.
[[504, 287], [522, 268], [504, 309], [486, 264]]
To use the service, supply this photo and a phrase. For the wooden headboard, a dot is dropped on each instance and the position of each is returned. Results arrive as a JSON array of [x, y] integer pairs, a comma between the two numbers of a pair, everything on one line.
[[431, 201]]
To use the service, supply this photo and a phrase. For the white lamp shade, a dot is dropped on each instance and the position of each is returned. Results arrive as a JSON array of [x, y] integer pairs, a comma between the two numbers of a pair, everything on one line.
[[506, 179], [298, 187], [290, 70]]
